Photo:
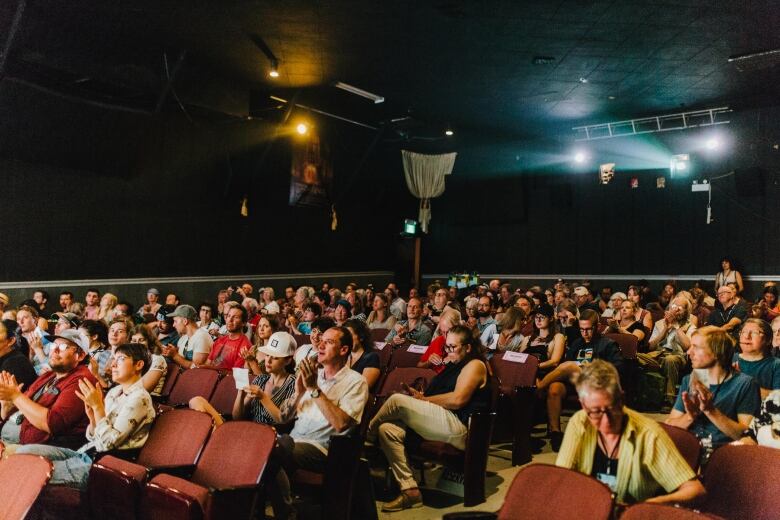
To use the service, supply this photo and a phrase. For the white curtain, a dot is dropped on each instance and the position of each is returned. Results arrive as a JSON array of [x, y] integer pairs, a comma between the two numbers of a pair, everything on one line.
[[425, 179]]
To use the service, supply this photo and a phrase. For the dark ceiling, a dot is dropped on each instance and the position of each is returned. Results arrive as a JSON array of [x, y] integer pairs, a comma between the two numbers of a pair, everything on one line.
[[465, 64]]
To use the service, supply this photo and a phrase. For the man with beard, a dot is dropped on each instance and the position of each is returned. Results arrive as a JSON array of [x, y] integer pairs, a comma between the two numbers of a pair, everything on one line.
[[484, 313], [49, 412], [227, 349], [166, 334]]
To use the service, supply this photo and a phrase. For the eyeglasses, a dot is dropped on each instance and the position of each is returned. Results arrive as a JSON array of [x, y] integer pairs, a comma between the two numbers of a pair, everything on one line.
[[61, 347], [586, 329], [315, 330], [451, 348], [205, 310], [540, 317], [610, 412], [750, 334]]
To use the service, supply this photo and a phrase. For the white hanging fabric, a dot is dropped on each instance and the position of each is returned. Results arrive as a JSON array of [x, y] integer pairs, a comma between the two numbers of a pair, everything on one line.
[[425, 179]]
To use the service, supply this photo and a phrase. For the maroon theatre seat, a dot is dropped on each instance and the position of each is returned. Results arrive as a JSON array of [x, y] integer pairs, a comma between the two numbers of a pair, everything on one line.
[[171, 376], [191, 383], [743, 482], [687, 444], [402, 357], [628, 344], [545, 492], [646, 511], [175, 441], [225, 481], [517, 391], [225, 396], [22, 478], [379, 334]]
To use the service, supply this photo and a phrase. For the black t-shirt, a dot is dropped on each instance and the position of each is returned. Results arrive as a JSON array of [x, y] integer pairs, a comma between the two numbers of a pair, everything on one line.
[[17, 364], [719, 316], [367, 360]]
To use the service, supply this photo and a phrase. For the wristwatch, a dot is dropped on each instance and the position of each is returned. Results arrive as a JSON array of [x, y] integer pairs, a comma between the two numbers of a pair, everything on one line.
[[315, 393]]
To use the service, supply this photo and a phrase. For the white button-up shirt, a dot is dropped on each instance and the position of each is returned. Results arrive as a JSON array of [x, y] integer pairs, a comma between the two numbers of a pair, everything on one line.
[[129, 416]]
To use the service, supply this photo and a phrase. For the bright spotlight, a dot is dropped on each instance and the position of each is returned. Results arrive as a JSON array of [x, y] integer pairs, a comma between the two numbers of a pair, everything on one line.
[[713, 143], [302, 128], [580, 157], [448, 132], [679, 164]]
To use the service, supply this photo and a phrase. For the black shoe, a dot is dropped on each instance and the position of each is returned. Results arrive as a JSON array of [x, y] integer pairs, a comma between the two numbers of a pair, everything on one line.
[[556, 438], [537, 445]]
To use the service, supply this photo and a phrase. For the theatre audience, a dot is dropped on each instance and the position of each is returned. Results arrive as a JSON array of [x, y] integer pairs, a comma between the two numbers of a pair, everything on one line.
[[625, 450], [555, 385], [328, 401], [730, 312], [755, 355], [715, 402], [412, 329], [363, 359], [194, 344], [49, 411], [439, 414], [119, 421], [669, 344], [154, 378]]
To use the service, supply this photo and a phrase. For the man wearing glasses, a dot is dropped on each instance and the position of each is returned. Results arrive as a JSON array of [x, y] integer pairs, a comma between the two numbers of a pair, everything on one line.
[[625, 450], [49, 412], [589, 347], [730, 313]]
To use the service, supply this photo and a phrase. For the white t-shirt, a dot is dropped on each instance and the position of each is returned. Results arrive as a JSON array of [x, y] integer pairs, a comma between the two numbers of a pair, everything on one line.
[[199, 343], [271, 308]]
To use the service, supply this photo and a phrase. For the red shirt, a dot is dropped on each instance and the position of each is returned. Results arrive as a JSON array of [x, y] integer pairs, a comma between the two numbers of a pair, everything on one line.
[[67, 420], [436, 347], [225, 352]]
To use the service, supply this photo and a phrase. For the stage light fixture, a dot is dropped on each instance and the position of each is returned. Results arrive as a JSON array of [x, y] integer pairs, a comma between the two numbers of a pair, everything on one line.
[[302, 128], [680, 165], [580, 157], [606, 172], [376, 98], [448, 132], [713, 143]]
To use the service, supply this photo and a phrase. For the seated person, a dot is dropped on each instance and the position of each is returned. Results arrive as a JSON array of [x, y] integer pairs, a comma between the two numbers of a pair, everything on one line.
[[715, 402], [776, 337], [764, 429], [434, 356], [591, 345], [12, 360], [730, 312], [363, 359], [49, 412], [626, 323], [506, 334], [439, 414], [412, 329], [434, 308], [615, 304], [311, 311], [318, 326], [262, 399], [120, 421], [769, 304], [545, 342], [194, 345], [226, 352], [625, 450], [328, 401], [154, 378], [380, 317], [484, 314], [669, 344], [755, 358], [166, 333]]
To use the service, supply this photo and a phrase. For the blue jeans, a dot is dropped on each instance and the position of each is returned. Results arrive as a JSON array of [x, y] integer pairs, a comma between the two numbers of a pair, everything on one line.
[[71, 468]]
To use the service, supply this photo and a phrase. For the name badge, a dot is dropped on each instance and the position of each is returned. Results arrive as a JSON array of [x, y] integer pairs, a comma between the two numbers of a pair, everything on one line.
[[515, 357], [417, 349], [609, 480]]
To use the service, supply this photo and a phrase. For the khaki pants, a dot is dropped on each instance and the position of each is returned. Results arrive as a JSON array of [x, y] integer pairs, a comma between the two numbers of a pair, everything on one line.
[[668, 364], [431, 421]]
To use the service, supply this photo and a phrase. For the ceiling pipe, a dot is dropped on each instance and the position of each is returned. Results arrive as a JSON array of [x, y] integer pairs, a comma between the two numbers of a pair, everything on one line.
[[9, 41]]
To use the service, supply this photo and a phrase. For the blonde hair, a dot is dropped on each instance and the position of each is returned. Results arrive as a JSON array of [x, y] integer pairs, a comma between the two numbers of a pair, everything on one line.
[[720, 343], [600, 376]]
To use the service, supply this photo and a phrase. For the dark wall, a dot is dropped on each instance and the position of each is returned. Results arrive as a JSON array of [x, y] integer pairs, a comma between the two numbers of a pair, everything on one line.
[[542, 221], [95, 193]]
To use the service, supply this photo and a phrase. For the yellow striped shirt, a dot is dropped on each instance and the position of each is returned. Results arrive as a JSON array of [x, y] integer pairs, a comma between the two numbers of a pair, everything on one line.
[[648, 460]]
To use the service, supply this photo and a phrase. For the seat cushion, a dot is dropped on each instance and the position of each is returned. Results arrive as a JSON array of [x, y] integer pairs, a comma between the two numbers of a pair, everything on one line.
[[184, 487], [129, 469]]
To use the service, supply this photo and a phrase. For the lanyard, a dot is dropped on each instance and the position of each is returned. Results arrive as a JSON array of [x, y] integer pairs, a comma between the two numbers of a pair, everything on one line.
[[611, 456], [45, 388]]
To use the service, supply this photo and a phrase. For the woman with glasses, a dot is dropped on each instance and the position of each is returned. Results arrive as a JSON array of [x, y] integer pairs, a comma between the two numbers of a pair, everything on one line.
[[625, 450], [755, 358], [438, 414], [434, 356], [545, 343]]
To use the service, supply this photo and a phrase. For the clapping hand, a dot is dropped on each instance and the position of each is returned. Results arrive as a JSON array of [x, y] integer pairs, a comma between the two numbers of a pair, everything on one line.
[[308, 374], [255, 391], [91, 395], [9, 388], [691, 403], [705, 397]]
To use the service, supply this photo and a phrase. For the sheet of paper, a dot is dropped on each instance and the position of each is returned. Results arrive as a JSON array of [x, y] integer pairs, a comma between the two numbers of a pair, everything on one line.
[[515, 357], [379, 345], [241, 375], [417, 349]]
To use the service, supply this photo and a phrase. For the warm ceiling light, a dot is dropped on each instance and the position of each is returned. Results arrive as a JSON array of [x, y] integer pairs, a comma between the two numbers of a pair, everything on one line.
[[274, 72], [302, 128]]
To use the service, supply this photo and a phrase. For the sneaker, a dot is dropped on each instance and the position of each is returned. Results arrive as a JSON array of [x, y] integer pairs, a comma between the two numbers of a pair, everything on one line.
[[403, 501], [556, 438]]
